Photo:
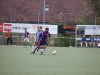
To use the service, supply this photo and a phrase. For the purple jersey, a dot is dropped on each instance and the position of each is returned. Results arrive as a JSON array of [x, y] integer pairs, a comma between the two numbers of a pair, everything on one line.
[[44, 35], [26, 34]]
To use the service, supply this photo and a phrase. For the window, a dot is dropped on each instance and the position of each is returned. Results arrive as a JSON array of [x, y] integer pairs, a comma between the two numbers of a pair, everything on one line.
[[47, 8]]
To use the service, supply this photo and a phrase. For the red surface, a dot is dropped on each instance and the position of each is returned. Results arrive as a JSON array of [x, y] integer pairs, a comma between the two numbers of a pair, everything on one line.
[[1, 27], [7, 27]]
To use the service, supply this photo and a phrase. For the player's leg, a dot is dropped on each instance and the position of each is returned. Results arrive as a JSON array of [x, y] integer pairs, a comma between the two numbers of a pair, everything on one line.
[[43, 46], [90, 43], [81, 44], [28, 42], [43, 49], [11, 41], [25, 43], [93, 44], [98, 45], [86, 44], [33, 47], [38, 47], [7, 41]]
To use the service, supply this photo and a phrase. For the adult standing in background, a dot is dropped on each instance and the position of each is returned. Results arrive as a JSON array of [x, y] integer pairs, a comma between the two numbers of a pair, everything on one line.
[[9, 37]]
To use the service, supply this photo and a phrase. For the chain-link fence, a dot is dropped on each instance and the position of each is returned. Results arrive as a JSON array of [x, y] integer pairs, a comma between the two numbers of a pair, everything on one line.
[[62, 42], [17, 40], [55, 41]]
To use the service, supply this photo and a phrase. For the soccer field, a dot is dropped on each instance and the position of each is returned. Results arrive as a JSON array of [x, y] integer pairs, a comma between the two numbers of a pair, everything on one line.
[[68, 61]]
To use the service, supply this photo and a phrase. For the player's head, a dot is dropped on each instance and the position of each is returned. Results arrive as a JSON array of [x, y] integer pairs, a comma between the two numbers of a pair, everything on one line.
[[83, 36], [98, 36], [25, 29], [40, 27], [46, 29], [91, 35]]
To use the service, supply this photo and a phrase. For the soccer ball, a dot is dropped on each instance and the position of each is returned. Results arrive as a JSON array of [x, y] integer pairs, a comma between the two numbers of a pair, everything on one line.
[[54, 52]]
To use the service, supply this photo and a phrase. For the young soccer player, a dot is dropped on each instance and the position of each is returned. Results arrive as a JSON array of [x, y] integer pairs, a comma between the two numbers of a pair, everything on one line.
[[42, 42], [91, 43], [26, 38], [98, 41], [83, 41], [39, 31]]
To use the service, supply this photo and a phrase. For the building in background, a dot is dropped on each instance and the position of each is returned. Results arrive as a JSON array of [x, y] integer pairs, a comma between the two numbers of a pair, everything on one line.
[[32, 11]]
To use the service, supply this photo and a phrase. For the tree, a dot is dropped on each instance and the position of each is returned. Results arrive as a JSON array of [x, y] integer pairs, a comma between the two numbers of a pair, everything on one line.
[[95, 6], [61, 19], [92, 16], [87, 19], [19, 18], [2, 19]]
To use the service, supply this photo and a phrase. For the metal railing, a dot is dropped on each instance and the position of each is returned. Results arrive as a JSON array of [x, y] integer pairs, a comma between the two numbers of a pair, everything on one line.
[[17, 40], [55, 41]]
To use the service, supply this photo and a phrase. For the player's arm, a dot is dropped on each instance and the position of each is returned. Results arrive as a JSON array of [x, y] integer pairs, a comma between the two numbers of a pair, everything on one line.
[[49, 35], [10, 35], [41, 35], [81, 39], [36, 37], [85, 39], [28, 34], [49, 38], [6, 35]]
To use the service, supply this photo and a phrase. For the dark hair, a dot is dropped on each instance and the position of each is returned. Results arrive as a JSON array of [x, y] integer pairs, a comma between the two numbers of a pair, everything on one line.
[[25, 28], [40, 27], [46, 28]]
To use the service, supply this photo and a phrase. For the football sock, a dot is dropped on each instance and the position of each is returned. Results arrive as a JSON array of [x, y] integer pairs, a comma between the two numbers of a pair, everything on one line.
[[32, 48], [30, 45], [25, 45], [41, 50], [86, 44], [81, 44]]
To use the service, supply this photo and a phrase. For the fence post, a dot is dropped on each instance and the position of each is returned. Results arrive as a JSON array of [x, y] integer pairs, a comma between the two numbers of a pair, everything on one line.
[[63, 41], [22, 40], [70, 41]]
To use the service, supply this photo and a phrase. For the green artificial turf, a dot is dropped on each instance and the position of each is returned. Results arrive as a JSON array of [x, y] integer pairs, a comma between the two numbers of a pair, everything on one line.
[[68, 61]]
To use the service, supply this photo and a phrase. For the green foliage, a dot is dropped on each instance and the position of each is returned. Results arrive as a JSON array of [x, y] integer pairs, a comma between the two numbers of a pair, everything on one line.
[[61, 19], [87, 19], [2, 19], [95, 6], [19, 18], [64, 40], [16, 40]]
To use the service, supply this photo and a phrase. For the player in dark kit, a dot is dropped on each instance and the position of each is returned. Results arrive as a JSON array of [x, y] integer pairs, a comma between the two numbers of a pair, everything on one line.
[[42, 43], [26, 38]]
